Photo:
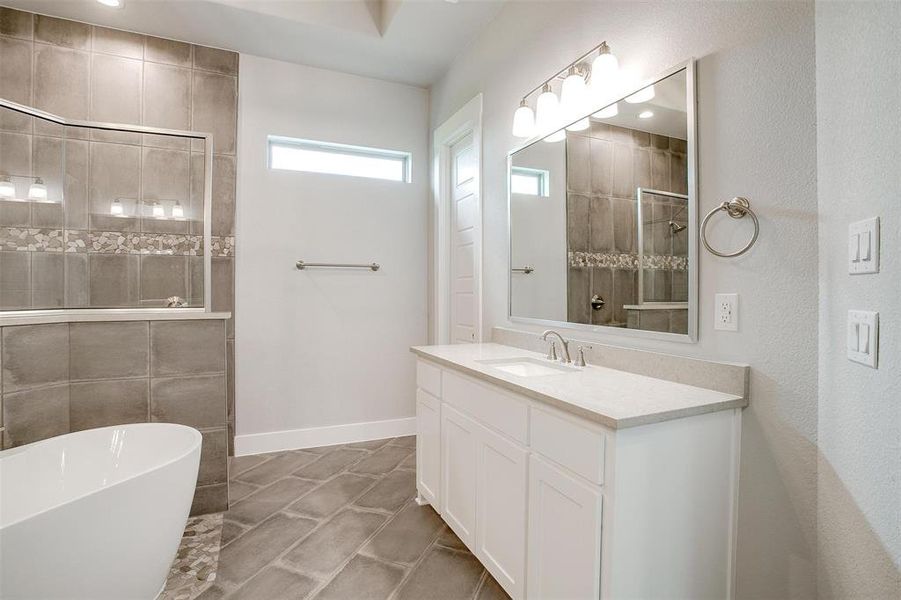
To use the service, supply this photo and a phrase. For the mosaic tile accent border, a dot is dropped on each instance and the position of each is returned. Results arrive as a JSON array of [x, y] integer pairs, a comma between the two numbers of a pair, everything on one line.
[[617, 260], [195, 564], [22, 239]]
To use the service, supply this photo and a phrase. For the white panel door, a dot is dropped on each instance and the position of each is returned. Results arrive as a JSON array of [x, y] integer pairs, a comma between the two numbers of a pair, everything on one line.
[[460, 439], [463, 231], [564, 535], [501, 514], [428, 446]]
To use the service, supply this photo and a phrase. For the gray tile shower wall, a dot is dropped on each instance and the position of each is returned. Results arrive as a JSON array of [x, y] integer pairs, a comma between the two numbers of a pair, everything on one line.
[[605, 165], [49, 259], [60, 378]]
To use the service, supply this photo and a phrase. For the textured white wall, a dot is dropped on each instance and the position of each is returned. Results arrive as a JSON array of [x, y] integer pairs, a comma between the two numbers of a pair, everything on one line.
[[328, 347], [858, 133], [757, 139]]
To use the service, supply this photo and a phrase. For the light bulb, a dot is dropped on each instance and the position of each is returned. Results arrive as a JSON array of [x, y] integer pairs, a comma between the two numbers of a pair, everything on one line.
[[158, 210], [7, 188], [605, 67], [642, 95], [523, 121], [557, 136], [607, 112], [116, 208], [646, 114], [573, 95], [37, 190], [547, 110], [177, 211]]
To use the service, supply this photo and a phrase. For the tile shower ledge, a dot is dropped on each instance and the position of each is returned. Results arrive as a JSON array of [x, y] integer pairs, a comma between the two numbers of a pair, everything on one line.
[[615, 399], [657, 306], [40, 317]]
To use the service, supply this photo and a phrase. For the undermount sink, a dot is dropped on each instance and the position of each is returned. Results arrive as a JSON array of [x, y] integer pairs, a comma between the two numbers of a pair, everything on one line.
[[526, 366]]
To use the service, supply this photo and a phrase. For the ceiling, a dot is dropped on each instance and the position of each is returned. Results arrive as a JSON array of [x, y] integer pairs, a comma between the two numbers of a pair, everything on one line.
[[409, 41]]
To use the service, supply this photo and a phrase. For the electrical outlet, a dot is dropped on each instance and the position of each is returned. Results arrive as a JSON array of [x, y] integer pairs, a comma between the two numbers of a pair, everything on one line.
[[725, 312]]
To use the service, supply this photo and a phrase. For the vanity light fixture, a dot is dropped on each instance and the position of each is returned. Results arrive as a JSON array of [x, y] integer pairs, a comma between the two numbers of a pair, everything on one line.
[[646, 114], [524, 121], [581, 83], [116, 209], [642, 95], [178, 212], [607, 112], [159, 210], [7, 187], [37, 190]]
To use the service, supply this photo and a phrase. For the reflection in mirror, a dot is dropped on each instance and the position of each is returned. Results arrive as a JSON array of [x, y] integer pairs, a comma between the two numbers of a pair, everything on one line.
[[602, 222]]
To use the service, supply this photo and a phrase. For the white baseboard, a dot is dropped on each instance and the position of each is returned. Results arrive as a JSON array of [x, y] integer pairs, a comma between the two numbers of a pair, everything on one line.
[[297, 439]]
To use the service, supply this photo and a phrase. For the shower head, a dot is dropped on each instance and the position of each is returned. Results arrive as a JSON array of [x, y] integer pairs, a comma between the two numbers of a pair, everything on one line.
[[675, 227]]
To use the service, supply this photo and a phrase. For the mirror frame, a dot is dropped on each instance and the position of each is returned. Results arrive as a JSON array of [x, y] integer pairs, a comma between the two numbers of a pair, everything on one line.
[[691, 336]]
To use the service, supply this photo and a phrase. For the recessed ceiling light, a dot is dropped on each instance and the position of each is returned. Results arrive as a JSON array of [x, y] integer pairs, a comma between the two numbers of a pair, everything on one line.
[[111, 3], [647, 114]]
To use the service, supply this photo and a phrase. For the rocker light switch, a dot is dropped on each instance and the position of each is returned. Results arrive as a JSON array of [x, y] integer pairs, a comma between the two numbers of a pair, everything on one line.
[[863, 337], [863, 247]]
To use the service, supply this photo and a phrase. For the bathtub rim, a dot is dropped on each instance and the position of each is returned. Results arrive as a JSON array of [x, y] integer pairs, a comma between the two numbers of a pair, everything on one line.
[[196, 444]]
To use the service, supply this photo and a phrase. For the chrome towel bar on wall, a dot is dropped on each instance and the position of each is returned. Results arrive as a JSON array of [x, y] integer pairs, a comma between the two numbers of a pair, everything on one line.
[[526, 269], [302, 264], [737, 208]]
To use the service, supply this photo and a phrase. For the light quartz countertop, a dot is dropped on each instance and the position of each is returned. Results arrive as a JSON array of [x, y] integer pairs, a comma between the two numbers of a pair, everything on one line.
[[615, 399]]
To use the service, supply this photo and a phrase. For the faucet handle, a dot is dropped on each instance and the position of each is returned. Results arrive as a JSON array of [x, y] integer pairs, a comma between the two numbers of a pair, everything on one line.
[[580, 358], [552, 351]]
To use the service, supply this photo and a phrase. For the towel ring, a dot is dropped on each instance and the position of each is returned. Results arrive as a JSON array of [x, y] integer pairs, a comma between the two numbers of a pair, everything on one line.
[[736, 208]]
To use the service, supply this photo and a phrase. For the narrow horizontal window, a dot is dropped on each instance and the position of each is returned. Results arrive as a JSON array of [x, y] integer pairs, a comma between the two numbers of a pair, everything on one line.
[[532, 182], [338, 159]]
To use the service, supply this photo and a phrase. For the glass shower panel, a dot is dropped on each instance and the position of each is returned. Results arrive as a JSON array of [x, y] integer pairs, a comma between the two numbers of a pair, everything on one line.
[[92, 217], [664, 246]]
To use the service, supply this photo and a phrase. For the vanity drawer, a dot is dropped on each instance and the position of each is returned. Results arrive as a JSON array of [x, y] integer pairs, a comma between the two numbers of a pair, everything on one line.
[[487, 404], [428, 378], [577, 447]]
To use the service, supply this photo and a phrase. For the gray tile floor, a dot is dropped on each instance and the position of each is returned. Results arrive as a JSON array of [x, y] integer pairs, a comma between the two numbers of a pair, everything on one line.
[[340, 523]]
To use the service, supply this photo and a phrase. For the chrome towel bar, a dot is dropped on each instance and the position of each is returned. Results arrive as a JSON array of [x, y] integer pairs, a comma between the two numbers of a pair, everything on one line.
[[526, 269], [301, 264]]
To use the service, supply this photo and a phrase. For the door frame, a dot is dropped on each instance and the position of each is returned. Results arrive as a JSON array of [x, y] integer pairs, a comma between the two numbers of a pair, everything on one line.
[[466, 121]]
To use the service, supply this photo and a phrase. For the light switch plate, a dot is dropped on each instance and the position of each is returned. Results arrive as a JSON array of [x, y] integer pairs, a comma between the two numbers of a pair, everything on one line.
[[863, 337], [725, 312], [863, 247]]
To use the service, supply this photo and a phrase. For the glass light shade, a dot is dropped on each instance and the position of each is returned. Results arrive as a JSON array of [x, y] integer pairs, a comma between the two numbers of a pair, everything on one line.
[[178, 211], [116, 208], [547, 111], [604, 68], [524, 122], [642, 95], [573, 96], [37, 190], [158, 210], [607, 112], [7, 189], [557, 136]]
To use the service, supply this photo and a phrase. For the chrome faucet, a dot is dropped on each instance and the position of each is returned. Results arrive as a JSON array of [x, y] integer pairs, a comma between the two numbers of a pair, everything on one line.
[[564, 347]]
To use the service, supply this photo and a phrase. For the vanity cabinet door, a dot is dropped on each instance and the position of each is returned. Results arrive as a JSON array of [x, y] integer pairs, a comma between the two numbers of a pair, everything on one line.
[[428, 447], [501, 515], [564, 535], [459, 449]]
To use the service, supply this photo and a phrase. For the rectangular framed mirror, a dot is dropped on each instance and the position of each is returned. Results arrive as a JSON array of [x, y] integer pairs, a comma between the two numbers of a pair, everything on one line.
[[603, 220]]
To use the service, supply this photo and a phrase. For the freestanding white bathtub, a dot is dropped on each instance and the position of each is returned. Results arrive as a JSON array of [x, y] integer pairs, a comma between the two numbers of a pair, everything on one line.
[[97, 514]]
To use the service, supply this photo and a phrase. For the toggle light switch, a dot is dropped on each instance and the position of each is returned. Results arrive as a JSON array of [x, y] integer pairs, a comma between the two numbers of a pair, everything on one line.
[[863, 337]]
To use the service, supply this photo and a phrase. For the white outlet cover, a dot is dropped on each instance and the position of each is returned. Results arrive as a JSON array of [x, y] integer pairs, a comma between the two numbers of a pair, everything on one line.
[[863, 337], [725, 312], [863, 246]]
